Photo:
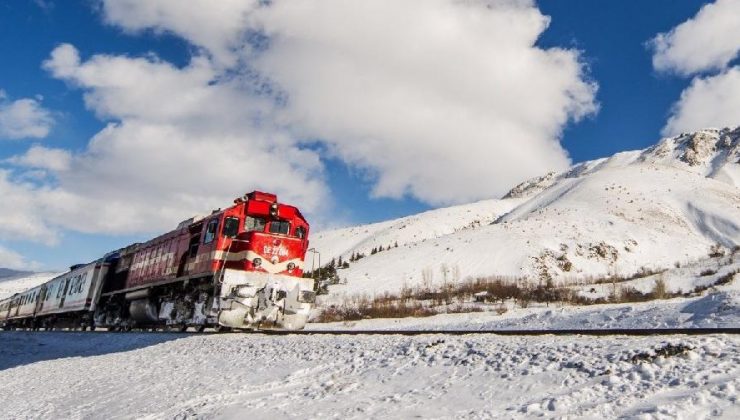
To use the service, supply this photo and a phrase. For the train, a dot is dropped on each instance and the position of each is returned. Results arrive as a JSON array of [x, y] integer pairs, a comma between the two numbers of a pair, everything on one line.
[[238, 268]]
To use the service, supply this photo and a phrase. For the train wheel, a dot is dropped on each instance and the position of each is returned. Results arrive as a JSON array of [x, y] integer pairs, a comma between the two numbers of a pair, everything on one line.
[[200, 328], [183, 328]]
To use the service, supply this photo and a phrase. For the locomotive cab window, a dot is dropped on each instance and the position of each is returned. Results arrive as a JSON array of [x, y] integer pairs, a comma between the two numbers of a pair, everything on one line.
[[280, 226], [300, 232], [211, 230], [254, 224], [231, 227]]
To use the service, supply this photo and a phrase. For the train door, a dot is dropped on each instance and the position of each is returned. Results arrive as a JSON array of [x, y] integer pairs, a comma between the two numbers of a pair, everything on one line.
[[40, 295], [188, 259], [62, 292], [210, 241]]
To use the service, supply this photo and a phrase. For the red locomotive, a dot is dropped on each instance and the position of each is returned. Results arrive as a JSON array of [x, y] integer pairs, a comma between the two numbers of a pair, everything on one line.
[[240, 267]]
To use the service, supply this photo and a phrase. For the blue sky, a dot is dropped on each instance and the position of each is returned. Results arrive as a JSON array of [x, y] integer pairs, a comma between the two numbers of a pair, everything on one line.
[[609, 38]]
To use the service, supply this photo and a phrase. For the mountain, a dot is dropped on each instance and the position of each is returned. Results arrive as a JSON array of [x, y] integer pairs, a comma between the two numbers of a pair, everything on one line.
[[14, 281], [667, 205], [6, 273]]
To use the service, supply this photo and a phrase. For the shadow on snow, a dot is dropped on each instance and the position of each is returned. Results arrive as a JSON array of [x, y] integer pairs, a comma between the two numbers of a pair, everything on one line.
[[18, 348]]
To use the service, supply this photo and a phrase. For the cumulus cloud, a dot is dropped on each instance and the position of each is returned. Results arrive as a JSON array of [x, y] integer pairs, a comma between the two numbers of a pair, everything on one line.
[[216, 26], [443, 100], [22, 211], [704, 43], [14, 261], [179, 141], [23, 118], [712, 101], [708, 41], [40, 157]]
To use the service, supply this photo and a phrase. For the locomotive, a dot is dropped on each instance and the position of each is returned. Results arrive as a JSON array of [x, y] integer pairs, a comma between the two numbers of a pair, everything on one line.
[[237, 268]]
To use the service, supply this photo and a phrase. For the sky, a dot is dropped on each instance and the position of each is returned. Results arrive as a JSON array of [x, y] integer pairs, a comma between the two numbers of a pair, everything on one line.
[[118, 119]]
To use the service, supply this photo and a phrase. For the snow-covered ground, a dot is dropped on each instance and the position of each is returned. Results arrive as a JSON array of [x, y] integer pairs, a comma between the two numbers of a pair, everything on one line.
[[716, 309], [147, 375]]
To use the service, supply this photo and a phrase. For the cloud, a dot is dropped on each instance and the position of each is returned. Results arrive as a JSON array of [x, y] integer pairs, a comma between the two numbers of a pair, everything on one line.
[[708, 41], [712, 101], [14, 261], [40, 157], [23, 211], [217, 26], [442, 100], [446, 101], [700, 46], [179, 141], [23, 118]]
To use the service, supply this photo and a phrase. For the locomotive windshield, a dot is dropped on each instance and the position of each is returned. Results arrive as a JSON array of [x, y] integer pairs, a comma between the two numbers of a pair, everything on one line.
[[231, 227], [252, 224], [280, 226]]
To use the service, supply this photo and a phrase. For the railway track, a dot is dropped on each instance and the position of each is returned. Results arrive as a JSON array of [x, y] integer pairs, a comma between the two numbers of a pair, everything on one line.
[[561, 332]]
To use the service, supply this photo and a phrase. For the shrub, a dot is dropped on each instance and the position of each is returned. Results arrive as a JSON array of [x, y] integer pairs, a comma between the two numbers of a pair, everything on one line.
[[659, 289]]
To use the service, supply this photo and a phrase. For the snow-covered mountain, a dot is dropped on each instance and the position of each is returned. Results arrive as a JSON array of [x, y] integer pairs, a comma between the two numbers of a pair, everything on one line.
[[669, 204], [12, 282]]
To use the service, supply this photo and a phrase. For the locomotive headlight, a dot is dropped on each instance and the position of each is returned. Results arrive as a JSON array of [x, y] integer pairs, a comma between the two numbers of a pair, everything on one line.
[[257, 262], [291, 266]]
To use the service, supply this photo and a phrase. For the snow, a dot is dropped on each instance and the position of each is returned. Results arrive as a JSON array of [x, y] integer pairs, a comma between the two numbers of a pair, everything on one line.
[[16, 284], [648, 209], [714, 310], [661, 209], [153, 376]]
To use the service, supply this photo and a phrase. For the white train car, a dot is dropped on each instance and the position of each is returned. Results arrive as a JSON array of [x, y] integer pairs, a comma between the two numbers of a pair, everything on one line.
[[23, 306], [73, 291], [5, 310], [69, 300], [66, 301]]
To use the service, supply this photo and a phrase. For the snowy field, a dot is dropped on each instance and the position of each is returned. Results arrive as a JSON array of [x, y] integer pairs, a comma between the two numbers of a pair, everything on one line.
[[140, 375]]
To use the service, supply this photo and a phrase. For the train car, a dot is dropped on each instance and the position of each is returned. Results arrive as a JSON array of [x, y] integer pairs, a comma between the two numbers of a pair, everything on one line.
[[240, 267], [4, 311], [23, 307], [66, 301], [69, 299]]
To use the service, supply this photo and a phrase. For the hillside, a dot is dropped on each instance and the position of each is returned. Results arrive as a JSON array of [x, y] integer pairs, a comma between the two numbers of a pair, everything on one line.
[[6, 273], [667, 205], [19, 281]]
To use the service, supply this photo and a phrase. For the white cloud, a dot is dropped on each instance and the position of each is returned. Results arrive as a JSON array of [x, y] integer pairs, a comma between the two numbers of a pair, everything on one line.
[[712, 101], [23, 118], [180, 141], [447, 101], [440, 99], [217, 26], [15, 261], [708, 41], [40, 157], [444, 100], [23, 211]]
